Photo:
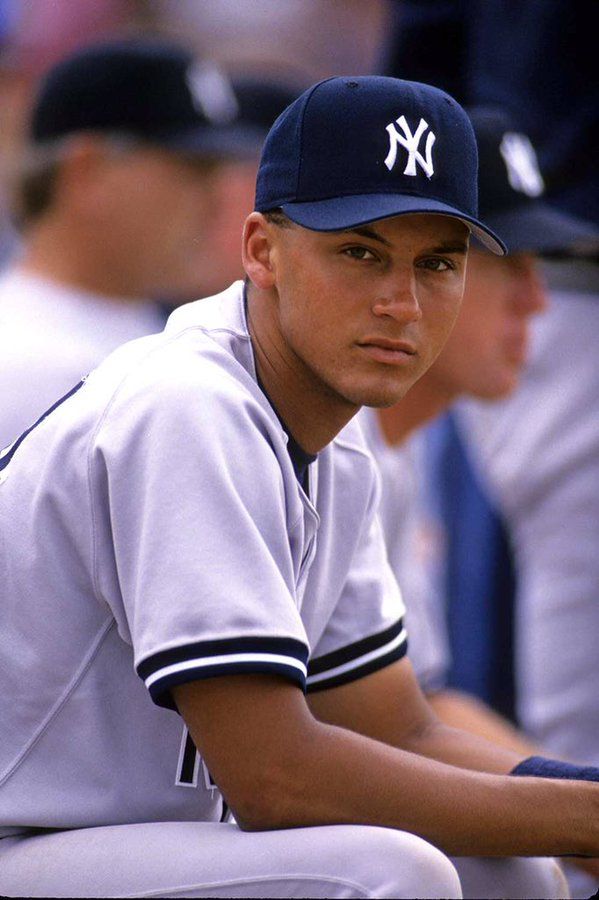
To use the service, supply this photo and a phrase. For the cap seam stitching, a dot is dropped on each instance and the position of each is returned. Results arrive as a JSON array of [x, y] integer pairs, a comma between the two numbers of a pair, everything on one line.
[[301, 128]]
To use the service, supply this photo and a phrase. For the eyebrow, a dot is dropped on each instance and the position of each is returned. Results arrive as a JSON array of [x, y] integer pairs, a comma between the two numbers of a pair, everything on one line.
[[451, 246], [365, 231]]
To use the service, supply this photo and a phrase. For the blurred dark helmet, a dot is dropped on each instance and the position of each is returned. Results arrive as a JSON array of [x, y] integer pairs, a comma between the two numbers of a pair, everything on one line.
[[159, 93], [511, 189]]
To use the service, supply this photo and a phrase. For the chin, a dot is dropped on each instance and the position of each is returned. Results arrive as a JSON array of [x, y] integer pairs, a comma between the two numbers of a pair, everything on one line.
[[378, 398], [497, 383], [379, 392]]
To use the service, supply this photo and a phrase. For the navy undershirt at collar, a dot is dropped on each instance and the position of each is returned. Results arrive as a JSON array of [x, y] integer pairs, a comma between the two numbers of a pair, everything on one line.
[[300, 458]]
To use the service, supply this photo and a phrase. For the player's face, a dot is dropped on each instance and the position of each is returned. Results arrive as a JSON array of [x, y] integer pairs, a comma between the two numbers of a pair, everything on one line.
[[156, 204], [366, 311], [487, 349]]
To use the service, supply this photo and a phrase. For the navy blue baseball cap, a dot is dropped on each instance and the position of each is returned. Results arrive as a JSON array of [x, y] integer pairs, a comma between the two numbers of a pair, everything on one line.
[[512, 192], [351, 150], [158, 92]]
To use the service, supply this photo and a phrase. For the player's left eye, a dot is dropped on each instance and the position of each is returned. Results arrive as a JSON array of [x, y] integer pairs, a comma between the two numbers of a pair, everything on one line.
[[359, 253], [437, 264]]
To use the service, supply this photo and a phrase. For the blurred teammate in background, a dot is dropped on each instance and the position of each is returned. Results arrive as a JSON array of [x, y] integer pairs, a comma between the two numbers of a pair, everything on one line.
[[484, 357], [138, 165], [216, 259], [537, 455], [534, 457]]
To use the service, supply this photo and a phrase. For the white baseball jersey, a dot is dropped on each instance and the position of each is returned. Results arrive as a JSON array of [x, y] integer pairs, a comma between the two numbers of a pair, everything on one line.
[[51, 335], [153, 532], [414, 536], [538, 452]]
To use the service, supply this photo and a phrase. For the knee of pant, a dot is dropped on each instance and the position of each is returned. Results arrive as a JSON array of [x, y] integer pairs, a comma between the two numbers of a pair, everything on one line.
[[547, 879], [537, 878], [518, 878], [406, 865]]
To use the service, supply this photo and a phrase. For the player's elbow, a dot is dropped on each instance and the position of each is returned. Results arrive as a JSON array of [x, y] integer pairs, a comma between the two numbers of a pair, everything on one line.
[[256, 815], [271, 801]]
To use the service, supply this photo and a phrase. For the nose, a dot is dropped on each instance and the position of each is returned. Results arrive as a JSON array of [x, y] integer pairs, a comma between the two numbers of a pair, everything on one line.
[[398, 299], [530, 296]]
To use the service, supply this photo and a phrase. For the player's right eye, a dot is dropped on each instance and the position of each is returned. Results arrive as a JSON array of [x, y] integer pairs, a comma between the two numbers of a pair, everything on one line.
[[359, 253]]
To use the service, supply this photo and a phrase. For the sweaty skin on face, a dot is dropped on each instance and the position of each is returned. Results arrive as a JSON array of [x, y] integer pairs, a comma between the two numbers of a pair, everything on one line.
[[352, 318]]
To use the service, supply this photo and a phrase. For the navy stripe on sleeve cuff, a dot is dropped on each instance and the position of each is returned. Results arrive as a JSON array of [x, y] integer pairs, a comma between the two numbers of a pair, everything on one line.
[[207, 659], [358, 659]]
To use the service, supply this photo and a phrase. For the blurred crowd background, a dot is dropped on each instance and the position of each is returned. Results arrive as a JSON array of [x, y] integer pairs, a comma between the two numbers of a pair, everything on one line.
[[490, 484]]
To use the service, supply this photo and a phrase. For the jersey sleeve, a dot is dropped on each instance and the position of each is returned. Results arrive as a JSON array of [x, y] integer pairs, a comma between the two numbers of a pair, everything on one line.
[[191, 539], [366, 630]]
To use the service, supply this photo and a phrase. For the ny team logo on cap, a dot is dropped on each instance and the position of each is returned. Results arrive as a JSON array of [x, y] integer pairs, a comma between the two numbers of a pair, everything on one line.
[[410, 142], [211, 93], [521, 162], [389, 168]]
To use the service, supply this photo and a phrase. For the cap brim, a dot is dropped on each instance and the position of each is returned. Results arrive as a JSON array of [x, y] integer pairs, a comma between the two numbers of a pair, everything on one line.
[[235, 141], [339, 213], [537, 228]]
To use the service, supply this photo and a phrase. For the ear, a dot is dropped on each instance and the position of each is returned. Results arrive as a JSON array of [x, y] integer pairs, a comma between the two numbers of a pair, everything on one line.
[[81, 186], [83, 154], [256, 250]]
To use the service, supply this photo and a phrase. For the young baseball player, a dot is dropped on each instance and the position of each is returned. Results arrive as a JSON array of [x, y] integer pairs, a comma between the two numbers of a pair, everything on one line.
[[189, 544]]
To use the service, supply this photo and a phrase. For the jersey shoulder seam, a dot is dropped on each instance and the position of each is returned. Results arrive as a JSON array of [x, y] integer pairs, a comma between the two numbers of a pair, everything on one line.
[[80, 673], [208, 331]]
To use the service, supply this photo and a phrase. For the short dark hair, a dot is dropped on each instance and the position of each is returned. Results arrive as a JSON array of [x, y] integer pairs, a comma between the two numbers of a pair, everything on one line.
[[277, 217], [34, 192]]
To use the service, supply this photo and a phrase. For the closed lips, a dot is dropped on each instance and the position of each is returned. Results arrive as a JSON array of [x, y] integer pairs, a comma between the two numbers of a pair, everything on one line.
[[387, 344]]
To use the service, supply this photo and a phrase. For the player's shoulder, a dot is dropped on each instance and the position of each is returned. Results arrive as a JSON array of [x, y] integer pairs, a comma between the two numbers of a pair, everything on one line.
[[353, 459], [352, 441], [201, 364], [223, 313]]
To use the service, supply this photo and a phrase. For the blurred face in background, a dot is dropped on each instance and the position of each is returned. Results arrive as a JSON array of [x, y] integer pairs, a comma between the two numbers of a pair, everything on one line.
[[216, 261], [488, 346], [142, 220], [151, 206], [121, 218]]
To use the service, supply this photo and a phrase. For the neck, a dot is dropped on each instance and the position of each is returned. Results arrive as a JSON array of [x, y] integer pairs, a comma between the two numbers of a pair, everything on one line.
[[425, 400], [313, 413], [72, 258]]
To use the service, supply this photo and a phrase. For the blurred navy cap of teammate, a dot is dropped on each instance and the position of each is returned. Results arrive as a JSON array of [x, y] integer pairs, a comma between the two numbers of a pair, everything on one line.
[[511, 192], [157, 92]]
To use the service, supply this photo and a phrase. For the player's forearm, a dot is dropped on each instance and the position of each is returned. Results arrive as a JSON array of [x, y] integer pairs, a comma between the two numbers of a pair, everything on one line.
[[389, 707], [469, 714], [341, 777], [460, 710], [280, 767], [458, 747]]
